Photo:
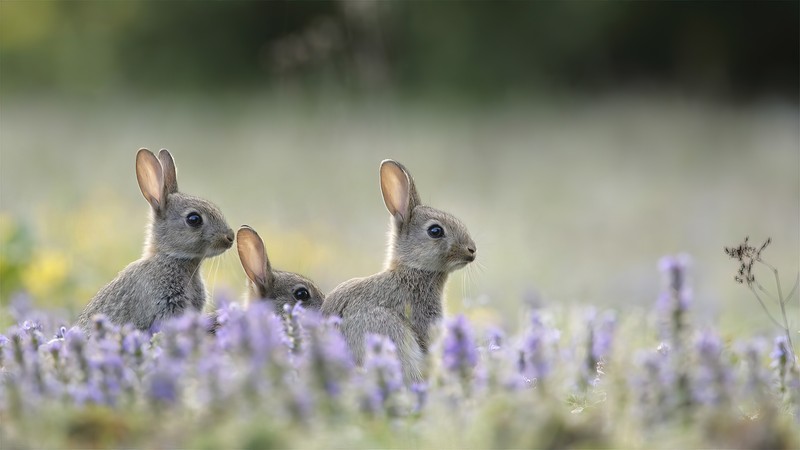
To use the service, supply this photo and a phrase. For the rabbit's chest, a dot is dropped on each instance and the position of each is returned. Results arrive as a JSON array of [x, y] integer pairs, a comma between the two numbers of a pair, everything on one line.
[[177, 298], [178, 292]]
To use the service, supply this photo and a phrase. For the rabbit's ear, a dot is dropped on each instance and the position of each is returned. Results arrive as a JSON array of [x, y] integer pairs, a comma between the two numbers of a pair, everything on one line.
[[254, 259], [151, 179], [170, 173], [399, 193]]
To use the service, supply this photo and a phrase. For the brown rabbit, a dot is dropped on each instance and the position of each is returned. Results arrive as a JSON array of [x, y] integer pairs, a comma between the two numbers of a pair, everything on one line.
[[265, 283], [166, 281], [404, 301]]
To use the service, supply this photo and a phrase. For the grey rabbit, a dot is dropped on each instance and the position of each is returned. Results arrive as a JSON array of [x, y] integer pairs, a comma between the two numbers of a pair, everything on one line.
[[404, 301], [182, 231], [265, 283]]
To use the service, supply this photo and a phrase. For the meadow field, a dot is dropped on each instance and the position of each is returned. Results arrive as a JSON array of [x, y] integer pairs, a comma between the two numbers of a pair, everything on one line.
[[558, 336], [629, 173], [569, 202]]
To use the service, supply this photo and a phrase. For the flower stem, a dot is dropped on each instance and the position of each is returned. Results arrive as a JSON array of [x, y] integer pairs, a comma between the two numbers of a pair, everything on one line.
[[782, 301]]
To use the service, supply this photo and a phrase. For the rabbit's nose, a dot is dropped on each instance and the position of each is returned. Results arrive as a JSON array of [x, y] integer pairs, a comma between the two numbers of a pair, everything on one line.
[[471, 249], [229, 236]]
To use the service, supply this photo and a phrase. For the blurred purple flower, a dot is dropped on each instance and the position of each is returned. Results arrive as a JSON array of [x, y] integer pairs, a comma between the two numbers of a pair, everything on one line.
[[326, 358], [599, 339], [674, 301], [383, 373], [782, 364], [711, 379], [534, 362], [603, 336], [652, 384], [460, 353], [162, 386], [495, 339], [420, 391], [20, 307]]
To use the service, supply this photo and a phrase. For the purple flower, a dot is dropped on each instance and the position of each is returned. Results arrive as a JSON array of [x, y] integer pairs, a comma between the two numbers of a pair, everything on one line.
[[384, 375], [495, 339], [673, 303], [756, 378], [20, 307], [782, 363], [653, 385], [534, 357], [420, 391], [460, 352], [603, 336], [101, 327], [780, 355], [599, 340], [712, 379], [674, 268], [62, 331], [162, 386], [325, 357]]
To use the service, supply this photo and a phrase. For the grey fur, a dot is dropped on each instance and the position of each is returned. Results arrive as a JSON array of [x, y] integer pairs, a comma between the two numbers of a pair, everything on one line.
[[166, 280], [266, 284], [404, 301]]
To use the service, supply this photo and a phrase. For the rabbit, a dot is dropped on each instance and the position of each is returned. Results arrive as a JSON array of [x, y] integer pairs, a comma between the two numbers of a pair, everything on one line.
[[182, 231], [264, 283], [404, 301]]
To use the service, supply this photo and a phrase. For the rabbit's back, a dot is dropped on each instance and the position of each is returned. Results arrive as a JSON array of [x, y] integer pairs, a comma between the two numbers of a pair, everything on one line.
[[146, 291], [375, 305], [392, 324]]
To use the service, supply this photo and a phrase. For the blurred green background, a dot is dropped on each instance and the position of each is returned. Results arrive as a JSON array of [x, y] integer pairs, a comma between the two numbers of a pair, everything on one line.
[[579, 141]]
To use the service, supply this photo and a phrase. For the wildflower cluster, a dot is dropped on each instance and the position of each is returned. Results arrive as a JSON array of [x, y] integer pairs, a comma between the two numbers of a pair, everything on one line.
[[288, 380]]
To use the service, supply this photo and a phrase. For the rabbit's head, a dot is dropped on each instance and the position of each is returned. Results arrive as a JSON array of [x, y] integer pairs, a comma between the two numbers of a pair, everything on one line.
[[181, 226], [421, 237], [265, 283]]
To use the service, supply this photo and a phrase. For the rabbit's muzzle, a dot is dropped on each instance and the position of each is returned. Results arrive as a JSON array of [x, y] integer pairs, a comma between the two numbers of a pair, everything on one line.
[[220, 245], [462, 256]]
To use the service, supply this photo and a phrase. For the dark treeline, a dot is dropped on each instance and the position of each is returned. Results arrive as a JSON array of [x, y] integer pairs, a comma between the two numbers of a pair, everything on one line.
[[471, 49]]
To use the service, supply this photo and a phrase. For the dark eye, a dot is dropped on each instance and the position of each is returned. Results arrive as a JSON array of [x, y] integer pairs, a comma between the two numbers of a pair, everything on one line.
[[194, 220], [435, 231], [301, 293]]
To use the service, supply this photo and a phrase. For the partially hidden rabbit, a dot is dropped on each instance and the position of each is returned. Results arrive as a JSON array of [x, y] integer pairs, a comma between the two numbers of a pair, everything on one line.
[[183, 230], [267, 284], [404, 301]]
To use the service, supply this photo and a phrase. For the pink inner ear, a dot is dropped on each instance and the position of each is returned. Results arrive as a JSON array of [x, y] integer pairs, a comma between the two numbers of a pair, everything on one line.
[[169, 171], [394, 186], [150, 177], [253, 256]]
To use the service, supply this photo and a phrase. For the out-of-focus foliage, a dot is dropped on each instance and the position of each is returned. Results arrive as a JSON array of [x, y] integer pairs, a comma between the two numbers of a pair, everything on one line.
[[470, 49]]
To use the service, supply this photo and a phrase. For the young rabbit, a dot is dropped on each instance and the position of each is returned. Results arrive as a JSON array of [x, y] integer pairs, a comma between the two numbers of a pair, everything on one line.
[[183, 230], [265, 283], [403, 301]]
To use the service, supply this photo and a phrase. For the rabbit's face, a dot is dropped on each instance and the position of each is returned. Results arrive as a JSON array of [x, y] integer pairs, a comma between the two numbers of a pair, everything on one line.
[[181, 226], [421, 237], [191, 227], [433, 240], [289, 288], [276, 286]]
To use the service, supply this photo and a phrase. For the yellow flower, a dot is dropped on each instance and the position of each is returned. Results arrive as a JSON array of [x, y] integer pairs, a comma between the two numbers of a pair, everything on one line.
[[47, 272]]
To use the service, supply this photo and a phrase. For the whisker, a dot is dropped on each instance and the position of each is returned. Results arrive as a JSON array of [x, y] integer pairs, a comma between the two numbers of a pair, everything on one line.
[[471, 281], [464, 295], [212, 275], [191, 276]]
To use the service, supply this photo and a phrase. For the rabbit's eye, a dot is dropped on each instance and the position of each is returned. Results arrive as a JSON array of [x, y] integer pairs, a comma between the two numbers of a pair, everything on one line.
[[301, 293], [194, 220], [435, 231]]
